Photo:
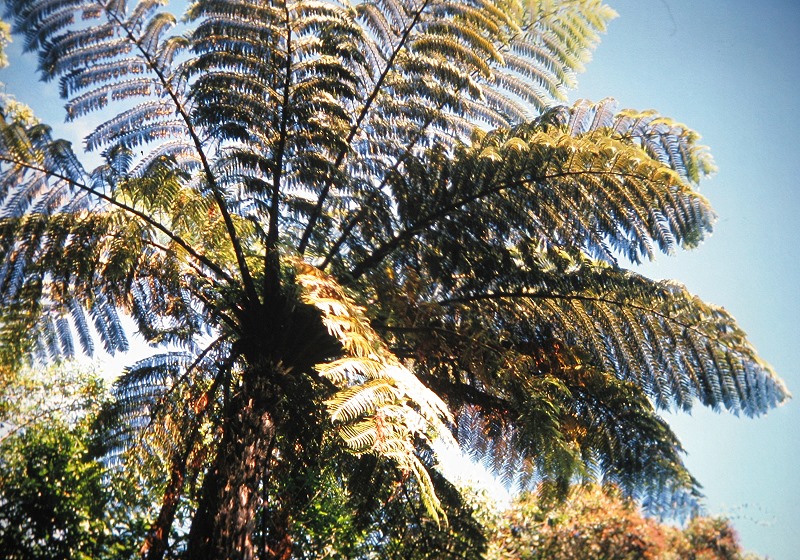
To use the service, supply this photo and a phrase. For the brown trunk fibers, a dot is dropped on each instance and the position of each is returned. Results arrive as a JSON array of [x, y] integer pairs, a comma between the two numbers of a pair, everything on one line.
[[225, 519], [272, 430]]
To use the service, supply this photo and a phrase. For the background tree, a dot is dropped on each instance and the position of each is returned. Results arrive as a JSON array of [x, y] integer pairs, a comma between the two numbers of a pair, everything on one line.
[[599, 523], [56, 499], [349, 228]]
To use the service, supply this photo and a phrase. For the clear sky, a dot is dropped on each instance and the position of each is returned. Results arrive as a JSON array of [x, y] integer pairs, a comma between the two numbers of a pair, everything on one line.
[[729, 70]]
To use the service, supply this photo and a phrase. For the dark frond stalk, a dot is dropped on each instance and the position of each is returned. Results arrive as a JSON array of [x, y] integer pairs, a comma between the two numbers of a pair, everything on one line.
[[461, 393], [522, 294], [272, 257], [354, 221], [495, 349], [386, 248], [215, 312], [247, 278], [317, 212], [334, 250]]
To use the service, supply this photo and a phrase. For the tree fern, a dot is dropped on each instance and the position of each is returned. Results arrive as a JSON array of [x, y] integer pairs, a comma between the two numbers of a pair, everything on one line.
[[372, 210]]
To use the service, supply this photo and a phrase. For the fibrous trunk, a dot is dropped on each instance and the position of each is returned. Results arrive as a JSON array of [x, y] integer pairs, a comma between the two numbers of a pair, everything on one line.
[[224, 523], [272, 422]]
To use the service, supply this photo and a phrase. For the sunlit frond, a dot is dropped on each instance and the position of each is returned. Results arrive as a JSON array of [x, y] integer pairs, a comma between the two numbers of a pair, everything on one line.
[[382, 406]]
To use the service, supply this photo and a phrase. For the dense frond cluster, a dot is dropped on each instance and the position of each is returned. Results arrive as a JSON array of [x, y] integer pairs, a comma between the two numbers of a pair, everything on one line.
[[375, 211]]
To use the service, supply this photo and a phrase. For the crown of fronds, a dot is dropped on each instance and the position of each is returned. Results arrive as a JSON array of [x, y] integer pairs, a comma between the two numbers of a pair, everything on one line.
[[412, 150], [270, 111]]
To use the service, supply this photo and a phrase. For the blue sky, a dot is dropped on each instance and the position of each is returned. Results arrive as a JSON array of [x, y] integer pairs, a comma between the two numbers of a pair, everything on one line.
[[729, 70]]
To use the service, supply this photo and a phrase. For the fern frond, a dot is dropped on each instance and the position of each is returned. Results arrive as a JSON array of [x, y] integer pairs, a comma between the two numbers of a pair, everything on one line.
[[411, 147], [148, 418], [656, 334], [82, 328], [540, 411], [126, 122], [85, 57], [672, 144], [594, 190], [386, 399], [550, 48]]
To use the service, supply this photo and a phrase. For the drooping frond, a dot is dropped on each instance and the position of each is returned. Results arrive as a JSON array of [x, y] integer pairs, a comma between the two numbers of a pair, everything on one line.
[[381, 407], [572, 423], [114, 54], [559, 384], [531, 402], [122, 55], [487, 219], [86, 245], [138, 397], [49, 244], [389, 510], [525, 227], [656, 334]]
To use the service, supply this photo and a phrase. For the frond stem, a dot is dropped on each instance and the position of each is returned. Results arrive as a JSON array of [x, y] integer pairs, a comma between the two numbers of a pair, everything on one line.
[[334, 250], [522, 294], [271, 258], [247, 279], [439, 330], [317, 211], [409, 233]]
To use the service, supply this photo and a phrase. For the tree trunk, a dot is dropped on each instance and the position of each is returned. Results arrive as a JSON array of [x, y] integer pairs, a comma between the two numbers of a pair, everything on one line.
[[278, 405], [224, 523], [155, 544]]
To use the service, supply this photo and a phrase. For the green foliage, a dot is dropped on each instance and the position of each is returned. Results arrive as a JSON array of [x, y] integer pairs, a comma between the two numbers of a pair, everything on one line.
[[381, 515], [56, 499], [350, 229], [52, 504]]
